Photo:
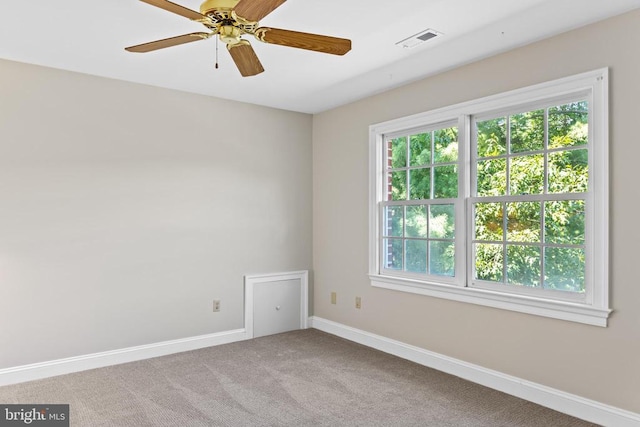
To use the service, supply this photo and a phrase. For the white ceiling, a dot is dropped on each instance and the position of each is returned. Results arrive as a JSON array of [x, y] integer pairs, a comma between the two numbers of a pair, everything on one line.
[[89, 37]]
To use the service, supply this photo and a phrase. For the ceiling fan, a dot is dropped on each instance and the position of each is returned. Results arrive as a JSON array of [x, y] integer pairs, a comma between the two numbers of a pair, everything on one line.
[[230, 20]]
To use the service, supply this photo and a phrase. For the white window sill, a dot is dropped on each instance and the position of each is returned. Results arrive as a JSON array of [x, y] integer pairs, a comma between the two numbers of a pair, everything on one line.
[[573, 312]]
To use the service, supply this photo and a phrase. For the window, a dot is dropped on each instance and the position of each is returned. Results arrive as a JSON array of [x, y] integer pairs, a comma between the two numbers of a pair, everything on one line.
[[421, 193], [500, 201]]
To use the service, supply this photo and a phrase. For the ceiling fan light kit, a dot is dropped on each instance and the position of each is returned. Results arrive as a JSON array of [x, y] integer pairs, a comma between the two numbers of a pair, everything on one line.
[[230, 20]]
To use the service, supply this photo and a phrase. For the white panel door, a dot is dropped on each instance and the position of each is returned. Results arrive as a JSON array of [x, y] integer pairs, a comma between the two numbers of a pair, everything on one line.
[[276, 307]]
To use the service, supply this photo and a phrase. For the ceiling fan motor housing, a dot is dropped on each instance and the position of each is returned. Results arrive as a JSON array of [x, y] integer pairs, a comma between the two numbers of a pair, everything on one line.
[[209, 6], [228, 26]]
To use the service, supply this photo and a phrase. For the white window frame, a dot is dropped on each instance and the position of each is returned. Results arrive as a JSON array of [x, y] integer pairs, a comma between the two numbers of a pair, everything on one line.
[[459, 207], [594, 308]]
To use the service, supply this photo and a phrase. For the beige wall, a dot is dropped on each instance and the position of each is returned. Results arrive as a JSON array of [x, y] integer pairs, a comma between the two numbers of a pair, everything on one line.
[[593, 362], [126, 209]]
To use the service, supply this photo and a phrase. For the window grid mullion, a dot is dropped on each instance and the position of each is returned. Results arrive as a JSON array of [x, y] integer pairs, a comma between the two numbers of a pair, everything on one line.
[[432, 170], [545, 191], [407, 197], [408, 169], [508, 157], [427, 209], [505, 256], [505, 217], [542, 243], [545, 178]]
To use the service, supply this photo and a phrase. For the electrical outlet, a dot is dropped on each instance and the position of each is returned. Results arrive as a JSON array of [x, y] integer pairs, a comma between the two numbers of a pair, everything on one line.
[[334, 297], [216, 305], [358, 302]]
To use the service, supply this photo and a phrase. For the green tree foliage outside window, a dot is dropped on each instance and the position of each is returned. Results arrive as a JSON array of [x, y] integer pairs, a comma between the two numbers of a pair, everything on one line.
[[532, 243], [419, 238]]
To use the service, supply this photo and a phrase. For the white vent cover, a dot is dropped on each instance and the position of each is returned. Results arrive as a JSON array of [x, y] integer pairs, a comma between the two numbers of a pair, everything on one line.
[[419, 38]]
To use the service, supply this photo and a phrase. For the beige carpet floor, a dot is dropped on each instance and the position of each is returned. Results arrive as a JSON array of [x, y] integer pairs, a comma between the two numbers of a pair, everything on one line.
[[300, 378]]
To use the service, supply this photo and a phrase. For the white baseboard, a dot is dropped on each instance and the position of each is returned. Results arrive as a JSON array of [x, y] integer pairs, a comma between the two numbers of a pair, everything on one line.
[[561, 401], [69, 365]]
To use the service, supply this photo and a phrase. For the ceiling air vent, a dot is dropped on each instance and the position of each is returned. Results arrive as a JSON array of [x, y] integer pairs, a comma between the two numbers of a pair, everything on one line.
[[419, 38]]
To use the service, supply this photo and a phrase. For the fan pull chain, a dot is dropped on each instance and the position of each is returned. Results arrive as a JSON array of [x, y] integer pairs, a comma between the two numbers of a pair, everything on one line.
[[216, 53]]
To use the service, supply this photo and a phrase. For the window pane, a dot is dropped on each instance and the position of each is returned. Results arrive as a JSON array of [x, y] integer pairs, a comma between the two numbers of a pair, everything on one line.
[[527, 174], [393, 221], [446, 182], [416, 221], [392, 254], [564, 222], [441, 258], [416, 256], [489, 262], [442, 221], [446, 145], [527, 131], [492, 178], [397, 152], [523, 265], [569, 125], [420, 149], [420, 184], [523, 222], [569, 171], [564, 269], [492, 137], [397, 189], [489, 221]]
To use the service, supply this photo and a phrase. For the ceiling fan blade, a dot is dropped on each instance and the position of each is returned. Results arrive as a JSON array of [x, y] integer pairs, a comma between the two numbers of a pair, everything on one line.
[[172, 41], [255, 10], [245, 58], [315, 42], [179, 10]]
